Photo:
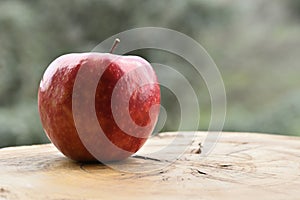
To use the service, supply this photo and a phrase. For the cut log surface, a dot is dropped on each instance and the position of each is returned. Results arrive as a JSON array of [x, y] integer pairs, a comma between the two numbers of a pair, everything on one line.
[[241, 166]]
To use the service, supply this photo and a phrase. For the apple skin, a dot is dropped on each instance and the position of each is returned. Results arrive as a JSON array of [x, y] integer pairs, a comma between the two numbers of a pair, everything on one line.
[[57, 117]]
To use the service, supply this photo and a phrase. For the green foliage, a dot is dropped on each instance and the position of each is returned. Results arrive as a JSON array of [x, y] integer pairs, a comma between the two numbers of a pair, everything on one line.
[[255, 45]]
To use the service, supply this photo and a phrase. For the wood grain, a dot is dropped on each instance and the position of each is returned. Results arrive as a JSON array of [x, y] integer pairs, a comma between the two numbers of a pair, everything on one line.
[[241, 166]]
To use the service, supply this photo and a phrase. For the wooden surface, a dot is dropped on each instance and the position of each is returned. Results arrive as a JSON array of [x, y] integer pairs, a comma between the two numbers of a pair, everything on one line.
[[242, 166]]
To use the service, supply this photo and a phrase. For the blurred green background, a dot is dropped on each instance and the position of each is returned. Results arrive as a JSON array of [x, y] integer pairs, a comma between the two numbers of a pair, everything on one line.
[[255, 44]]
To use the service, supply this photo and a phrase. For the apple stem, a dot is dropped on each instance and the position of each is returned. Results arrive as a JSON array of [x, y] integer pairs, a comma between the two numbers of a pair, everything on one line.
[[116, 42]]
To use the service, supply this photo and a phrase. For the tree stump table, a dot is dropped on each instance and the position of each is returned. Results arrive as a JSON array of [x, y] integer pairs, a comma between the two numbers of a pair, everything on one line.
[[241, 166]]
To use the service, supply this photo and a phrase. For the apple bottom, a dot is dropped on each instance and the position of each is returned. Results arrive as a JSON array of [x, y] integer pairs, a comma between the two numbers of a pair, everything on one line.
[[93, 144]]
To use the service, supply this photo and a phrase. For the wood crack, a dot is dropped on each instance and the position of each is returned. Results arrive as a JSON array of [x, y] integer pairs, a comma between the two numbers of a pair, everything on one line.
[[148, 158]]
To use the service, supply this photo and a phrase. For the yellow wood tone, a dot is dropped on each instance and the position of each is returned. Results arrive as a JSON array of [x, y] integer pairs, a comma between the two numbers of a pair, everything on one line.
[[241, 166]]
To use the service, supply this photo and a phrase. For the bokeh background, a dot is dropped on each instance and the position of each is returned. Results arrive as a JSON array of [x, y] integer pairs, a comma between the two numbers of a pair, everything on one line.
[[255, 44]]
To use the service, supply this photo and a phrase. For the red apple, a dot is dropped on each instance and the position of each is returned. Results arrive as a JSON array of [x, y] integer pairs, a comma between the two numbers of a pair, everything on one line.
[[125, 109]]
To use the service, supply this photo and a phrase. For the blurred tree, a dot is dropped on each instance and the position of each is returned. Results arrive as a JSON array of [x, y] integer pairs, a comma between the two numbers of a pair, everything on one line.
[[254, 43]]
